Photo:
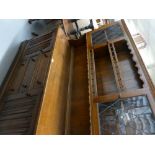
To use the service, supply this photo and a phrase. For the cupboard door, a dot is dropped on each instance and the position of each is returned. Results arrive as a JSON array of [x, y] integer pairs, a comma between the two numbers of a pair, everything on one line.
[[127, 116], [21, 99]]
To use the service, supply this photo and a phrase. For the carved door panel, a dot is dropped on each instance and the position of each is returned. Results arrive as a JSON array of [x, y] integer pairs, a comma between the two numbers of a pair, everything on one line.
[[21, 99]]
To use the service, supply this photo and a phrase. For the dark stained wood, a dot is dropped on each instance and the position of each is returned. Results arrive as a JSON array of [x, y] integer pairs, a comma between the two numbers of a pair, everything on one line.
[[22, 92]]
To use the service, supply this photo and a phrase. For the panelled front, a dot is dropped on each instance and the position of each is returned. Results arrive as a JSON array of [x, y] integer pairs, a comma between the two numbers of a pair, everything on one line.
[[21, 99]]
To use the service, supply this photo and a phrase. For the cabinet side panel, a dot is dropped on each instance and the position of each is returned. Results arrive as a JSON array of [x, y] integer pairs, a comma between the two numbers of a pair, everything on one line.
[[53, 110]]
